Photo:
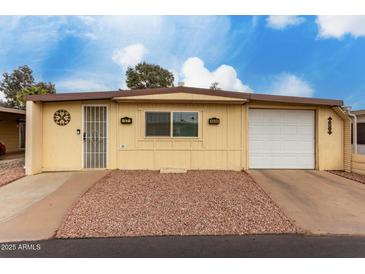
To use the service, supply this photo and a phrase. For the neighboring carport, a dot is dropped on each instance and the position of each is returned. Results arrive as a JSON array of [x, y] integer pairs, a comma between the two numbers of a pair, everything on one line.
[[12, 129], [319, 202]]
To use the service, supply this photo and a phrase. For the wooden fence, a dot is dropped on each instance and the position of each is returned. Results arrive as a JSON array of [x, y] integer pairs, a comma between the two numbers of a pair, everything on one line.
[[358, 163]]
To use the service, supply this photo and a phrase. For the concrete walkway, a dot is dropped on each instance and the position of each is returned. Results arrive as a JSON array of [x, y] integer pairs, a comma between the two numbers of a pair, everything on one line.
[[33, 207], [21, 194], [319, 202]]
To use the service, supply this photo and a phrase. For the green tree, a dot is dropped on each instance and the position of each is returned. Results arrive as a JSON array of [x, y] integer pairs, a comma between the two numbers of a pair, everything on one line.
[[145, 75], [21, 96], [51, 88], [19, 80]]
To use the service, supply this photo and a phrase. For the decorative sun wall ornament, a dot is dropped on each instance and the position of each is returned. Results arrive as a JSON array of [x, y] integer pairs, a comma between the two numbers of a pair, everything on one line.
[[62, 117]]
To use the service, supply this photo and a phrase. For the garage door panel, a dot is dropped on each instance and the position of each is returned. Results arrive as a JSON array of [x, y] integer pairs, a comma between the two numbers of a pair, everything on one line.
[[258, 132], [294, 147], [258, 146], [273, 147], [281, 139], [281, 163], [306, 130], [289, 130]]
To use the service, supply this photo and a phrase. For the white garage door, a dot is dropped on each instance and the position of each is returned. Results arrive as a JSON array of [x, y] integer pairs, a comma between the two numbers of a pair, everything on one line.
[[281, 139]]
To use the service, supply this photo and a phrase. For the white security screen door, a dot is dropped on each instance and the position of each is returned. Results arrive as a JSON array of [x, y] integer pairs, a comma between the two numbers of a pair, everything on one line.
[[281, 139], [95, 137]]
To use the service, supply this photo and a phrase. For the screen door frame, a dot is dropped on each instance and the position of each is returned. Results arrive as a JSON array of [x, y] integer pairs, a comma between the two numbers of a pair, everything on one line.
[[83, 107]]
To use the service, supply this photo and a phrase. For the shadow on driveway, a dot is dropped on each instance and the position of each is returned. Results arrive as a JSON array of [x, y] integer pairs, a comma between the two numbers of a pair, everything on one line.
[[266, 246]]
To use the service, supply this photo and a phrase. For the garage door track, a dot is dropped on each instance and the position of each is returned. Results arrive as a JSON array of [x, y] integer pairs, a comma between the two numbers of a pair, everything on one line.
[[319, 202]]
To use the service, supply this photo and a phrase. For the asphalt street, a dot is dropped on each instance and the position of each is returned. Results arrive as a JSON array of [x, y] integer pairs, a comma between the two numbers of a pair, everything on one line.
[[262, 246]]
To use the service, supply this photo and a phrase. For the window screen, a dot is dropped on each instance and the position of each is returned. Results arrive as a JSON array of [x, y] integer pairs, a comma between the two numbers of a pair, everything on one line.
[[361, 133], [158, 123], [185, 124]]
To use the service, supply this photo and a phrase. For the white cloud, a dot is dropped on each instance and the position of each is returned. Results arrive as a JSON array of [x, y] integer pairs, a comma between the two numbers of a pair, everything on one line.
[[283, 21], [39, 40], [338, 26], [195, 74], [130, 55], [80, 84], [2, 96], [291, 85]]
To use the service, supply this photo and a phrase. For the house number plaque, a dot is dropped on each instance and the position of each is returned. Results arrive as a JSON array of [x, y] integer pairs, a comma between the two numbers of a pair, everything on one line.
[[126, 120], [214, 121]]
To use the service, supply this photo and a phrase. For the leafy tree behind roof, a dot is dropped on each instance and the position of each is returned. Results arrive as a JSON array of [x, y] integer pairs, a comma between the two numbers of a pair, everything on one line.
[[33, 90], [145, 75], [17, 81]]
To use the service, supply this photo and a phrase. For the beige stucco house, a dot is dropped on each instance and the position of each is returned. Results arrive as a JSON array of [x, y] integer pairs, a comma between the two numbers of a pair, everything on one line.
[[12, 129], [187, 128]]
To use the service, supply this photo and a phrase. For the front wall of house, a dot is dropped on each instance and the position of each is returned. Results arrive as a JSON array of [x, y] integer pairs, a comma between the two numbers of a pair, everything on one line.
[[62, 146], [330, 147], [222, 146], [217, 146], [9, 131]]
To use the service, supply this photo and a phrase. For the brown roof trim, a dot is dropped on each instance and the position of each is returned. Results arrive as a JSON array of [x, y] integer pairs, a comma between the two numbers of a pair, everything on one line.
[[231, 94], [73, 96], [202, 91], [12, 110], [127, 93], [295, 100], [172, 101]]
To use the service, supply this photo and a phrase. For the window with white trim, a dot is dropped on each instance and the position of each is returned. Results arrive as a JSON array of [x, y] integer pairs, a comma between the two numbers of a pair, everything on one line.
[[171, 124]]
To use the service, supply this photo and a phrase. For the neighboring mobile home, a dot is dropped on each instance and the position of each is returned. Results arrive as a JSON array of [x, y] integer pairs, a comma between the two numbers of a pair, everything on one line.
[[360, 114], [12, 129], [187, 128]]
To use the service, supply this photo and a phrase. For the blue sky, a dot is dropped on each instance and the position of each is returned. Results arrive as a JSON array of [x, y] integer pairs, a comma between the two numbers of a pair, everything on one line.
[[292, 55]]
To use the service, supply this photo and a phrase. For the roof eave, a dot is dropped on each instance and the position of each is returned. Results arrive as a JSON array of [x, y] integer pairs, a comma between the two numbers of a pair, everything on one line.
[[109, 95], [180, 101], [12, 110], [295, 100]]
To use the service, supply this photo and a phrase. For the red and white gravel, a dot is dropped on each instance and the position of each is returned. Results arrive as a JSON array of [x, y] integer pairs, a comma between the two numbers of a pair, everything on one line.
[[350, 175], [142, 203], [11, 170]]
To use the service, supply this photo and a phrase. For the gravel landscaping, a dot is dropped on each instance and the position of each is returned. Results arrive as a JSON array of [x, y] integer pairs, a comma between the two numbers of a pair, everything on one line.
[[142, 203], [350, 175], [11, 170]]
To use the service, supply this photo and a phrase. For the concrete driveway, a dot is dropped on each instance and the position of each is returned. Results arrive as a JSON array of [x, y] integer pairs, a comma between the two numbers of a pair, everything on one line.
[[33, 207], [319, 202]]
